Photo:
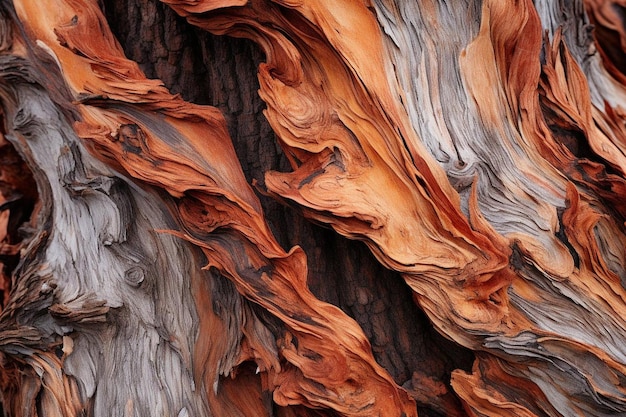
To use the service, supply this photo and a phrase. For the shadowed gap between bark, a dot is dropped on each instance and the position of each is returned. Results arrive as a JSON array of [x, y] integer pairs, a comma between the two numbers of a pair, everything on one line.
[[221, 71]]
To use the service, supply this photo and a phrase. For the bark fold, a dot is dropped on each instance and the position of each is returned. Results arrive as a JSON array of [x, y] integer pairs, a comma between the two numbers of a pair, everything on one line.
[[477, 151]]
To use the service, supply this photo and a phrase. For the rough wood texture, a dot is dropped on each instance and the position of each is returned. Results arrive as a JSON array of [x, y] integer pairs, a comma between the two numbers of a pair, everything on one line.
[[479, 152]]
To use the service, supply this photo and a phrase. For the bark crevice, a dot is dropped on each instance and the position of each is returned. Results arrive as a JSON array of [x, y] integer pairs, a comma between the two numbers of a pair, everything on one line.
[[314, 208]]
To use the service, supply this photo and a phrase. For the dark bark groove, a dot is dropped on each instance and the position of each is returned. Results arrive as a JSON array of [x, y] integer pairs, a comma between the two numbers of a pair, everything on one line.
[[312, 208], [221, 72]]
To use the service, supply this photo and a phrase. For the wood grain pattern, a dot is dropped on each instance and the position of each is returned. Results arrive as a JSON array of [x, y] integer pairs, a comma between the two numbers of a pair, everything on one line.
[[478, 151]]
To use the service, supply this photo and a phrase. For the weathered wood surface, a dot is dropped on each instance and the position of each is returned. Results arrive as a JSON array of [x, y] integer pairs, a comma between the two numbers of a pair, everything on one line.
[[478, 150]]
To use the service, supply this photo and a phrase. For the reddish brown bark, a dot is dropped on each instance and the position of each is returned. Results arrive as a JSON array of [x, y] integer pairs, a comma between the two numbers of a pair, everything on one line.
[[478, 153]]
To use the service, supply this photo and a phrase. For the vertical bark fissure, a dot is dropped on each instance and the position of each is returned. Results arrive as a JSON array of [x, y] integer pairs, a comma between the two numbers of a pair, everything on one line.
[[478, 154], [340, 272]]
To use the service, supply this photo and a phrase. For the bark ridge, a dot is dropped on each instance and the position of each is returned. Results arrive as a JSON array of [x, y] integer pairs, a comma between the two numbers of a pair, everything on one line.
[[477, 151]]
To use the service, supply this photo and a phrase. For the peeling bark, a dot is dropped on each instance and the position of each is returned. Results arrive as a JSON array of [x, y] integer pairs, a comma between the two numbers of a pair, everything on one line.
[[155, 256]]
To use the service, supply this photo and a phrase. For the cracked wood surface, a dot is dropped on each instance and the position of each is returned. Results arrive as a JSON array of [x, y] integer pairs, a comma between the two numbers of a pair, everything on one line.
[[478, 151]]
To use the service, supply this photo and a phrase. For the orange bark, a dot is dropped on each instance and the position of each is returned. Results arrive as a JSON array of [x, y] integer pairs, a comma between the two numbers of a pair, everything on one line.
[[522, 261]]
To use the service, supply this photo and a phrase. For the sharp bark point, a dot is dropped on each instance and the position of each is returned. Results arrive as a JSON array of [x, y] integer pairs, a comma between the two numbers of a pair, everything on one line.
[[479, 152]]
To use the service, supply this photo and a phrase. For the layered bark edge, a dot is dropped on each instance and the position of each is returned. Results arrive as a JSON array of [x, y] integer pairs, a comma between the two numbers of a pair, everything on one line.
[[479, 151]]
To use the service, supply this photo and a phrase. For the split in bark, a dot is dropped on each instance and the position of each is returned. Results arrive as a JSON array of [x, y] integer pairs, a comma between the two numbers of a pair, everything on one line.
[[478, 152]]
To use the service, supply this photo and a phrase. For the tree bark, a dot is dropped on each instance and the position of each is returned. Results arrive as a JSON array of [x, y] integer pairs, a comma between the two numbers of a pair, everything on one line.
[[297, 208]]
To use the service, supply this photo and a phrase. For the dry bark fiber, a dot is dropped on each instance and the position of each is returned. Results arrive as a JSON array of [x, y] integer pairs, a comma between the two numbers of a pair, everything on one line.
[[166, 167]]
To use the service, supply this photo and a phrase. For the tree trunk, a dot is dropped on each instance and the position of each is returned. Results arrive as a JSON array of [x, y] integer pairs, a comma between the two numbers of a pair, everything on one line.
[[298, 208]]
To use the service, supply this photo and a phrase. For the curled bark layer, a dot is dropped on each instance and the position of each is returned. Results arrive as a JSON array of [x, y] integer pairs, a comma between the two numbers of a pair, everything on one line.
[[480, 152]]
